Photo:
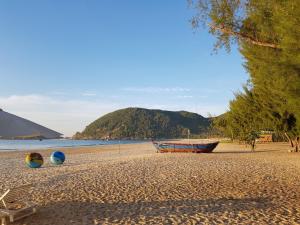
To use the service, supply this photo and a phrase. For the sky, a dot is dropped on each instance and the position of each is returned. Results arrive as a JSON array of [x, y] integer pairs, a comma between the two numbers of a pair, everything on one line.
[[65, 63]]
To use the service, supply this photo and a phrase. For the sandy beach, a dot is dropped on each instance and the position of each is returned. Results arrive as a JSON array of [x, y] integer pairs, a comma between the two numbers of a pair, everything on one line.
[[136, 185]]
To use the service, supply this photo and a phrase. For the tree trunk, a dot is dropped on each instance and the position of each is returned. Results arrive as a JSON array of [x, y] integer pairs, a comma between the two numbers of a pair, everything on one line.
[[243, 36], [253, 145], [289, 139], [297, 143]]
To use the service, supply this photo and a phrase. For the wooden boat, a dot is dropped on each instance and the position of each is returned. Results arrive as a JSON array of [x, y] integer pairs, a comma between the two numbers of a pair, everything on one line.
[[180, 147]]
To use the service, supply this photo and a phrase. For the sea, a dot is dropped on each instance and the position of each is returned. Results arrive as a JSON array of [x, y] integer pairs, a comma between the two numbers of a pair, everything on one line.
[[10, 145]]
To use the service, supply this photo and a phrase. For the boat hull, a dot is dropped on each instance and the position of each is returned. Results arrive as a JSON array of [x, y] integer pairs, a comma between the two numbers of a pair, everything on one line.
[[178, 147]]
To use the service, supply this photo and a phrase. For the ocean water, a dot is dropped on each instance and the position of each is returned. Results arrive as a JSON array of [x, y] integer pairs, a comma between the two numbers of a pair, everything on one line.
[[6, 145]]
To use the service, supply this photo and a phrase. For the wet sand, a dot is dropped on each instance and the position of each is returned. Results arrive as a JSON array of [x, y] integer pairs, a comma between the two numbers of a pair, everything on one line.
[[136, 185]]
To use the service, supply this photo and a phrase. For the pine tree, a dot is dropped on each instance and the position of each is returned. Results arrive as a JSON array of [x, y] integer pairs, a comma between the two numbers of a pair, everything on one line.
[[268, 34]]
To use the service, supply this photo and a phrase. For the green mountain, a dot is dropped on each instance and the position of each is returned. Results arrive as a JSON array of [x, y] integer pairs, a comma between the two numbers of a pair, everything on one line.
[[141, 123]]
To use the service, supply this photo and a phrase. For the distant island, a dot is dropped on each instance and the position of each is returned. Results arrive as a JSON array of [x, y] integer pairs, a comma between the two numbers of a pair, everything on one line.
[[15, 127], [139, 123]]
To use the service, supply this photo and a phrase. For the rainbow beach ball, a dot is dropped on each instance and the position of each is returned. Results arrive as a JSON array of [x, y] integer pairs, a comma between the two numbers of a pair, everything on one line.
[[34, 160], [57, 158]]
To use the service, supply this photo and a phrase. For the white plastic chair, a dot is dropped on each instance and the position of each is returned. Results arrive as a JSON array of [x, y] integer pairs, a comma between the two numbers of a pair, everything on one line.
[[13, 204]]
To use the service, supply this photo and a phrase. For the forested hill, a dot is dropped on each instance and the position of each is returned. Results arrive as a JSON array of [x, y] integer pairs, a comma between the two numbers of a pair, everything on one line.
[[145, 123]]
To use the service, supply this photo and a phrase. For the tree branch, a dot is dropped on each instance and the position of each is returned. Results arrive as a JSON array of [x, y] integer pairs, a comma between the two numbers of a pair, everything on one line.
[[243, 36]]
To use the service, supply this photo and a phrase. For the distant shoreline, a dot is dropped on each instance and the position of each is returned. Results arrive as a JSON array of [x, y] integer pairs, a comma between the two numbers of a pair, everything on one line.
[[30, 145]]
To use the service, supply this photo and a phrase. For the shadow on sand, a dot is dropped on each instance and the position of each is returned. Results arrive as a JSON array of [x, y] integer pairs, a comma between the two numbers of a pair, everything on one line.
[[87, 212], [245, 152]]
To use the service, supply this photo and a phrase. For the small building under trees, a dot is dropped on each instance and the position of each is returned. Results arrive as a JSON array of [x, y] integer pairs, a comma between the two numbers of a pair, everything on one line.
[[265, 138]]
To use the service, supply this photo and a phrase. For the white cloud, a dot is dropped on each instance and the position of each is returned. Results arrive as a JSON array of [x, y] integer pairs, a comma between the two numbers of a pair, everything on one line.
[[210, 90], [61, 93], [88, 94], [156, 89], [184, 96]]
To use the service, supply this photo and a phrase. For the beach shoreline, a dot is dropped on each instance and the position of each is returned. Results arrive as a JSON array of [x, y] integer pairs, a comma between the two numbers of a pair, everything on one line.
[[136, 185], [32, 145]]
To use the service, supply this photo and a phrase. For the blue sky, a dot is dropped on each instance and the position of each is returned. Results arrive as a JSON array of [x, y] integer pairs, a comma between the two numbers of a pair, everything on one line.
[[65, 63]]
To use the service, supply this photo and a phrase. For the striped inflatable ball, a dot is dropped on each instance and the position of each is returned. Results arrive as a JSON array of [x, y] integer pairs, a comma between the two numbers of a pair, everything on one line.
[[34, 160], [57, 158]]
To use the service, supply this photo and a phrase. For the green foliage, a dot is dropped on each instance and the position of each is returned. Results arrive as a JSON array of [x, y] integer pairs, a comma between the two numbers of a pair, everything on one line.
[[228, 21], [144, 123], [220, 126], [243, 117], [219, 14], [252, 136], [268, 34], [275, 73]]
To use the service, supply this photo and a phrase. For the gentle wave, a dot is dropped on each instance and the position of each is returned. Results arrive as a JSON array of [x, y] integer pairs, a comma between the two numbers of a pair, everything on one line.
[[9, 145]]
